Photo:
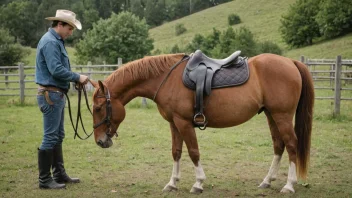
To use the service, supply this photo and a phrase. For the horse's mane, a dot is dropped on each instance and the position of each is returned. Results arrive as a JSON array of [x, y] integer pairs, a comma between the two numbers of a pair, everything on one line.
[[149, 66]]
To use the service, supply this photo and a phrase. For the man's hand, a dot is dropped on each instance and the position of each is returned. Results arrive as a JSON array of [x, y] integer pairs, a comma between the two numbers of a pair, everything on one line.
[[83, 79]]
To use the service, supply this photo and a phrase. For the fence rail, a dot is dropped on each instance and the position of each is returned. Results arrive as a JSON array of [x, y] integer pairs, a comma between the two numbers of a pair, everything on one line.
[[335, 77], [334, 74]]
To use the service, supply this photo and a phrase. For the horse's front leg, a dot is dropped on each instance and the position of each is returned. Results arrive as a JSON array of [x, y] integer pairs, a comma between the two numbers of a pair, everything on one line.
[[189, 136], [177, 142]]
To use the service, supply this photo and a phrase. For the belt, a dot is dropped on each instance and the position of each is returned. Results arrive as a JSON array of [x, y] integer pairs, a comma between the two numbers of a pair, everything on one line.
[[44, 90], [51, 88]]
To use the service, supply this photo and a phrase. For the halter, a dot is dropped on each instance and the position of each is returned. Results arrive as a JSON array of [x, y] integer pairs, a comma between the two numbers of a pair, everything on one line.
[[107, 119]]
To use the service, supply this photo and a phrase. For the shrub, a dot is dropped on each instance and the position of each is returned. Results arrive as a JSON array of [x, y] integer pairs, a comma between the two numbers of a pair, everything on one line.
[[269, 47], [180, 29], [11, 52], [234, 19]]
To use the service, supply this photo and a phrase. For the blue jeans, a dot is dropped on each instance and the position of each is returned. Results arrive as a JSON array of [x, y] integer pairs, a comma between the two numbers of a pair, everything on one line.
[[53, 119]]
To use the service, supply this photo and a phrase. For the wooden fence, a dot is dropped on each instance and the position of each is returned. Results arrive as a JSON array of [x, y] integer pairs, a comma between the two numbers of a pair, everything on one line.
[[331, 70], [327, 70]]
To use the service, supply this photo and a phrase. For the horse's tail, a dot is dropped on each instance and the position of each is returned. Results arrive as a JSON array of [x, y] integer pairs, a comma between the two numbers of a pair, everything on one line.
[[303, 120]]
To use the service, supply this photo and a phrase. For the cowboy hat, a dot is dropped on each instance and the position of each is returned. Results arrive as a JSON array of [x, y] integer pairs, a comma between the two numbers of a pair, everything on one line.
[[66, 16]]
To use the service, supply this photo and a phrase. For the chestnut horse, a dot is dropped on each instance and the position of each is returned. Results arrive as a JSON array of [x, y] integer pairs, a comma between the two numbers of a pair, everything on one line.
[[279, 86]]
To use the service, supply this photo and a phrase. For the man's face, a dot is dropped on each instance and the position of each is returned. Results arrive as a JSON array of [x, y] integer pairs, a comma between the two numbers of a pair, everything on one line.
[[65, 30]]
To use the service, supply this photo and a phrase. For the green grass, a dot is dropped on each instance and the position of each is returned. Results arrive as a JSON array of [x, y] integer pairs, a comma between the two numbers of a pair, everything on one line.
[[139, 164]]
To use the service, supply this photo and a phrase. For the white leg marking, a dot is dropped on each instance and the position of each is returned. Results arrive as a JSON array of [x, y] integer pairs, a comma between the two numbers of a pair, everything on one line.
[[200, 177], [175, 177], [291, 179], [271, 176]]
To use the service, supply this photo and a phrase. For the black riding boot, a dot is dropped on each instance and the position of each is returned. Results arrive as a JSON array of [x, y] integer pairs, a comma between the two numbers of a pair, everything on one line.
[[59, 173], [45, 160]]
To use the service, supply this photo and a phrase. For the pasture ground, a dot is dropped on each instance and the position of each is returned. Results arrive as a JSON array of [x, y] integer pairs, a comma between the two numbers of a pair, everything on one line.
[[139, 164]]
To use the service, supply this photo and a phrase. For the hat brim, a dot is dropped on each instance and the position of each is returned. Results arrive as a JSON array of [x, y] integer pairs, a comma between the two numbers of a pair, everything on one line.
[[76, 24]]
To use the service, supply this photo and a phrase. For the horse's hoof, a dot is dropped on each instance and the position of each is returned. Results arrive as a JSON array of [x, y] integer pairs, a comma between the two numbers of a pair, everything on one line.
[[264, 185], [196, 190], [287, 189], [169, 188]]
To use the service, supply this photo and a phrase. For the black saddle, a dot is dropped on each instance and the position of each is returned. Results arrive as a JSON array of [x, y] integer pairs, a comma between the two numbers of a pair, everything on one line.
[[203, 74]]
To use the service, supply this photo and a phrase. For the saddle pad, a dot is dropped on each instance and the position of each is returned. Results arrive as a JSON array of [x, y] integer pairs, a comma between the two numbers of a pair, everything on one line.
[[229, 76]]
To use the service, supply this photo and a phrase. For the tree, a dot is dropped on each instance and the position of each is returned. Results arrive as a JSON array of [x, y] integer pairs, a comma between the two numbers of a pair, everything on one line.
[[123, 35], [16, 16], [335, 17], [155, 12], [298, 26], [10, 52]]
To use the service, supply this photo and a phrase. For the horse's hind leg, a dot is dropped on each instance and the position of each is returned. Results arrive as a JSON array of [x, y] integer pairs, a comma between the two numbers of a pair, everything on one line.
[[177, 142], [284, 124], [279, 148], [189, 136]]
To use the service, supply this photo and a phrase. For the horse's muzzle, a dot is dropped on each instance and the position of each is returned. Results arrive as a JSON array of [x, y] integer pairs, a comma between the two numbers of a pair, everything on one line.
[[105, 144]]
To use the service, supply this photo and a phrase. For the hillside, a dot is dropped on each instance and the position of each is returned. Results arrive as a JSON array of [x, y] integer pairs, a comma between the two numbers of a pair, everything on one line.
[[261, 17]]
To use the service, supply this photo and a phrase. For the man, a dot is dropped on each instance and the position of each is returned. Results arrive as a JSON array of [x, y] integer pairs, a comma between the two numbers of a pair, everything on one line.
[[53, 75]]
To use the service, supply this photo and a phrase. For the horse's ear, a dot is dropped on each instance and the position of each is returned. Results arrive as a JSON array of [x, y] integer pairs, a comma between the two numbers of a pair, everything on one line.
[[101, 86], [94, 83]]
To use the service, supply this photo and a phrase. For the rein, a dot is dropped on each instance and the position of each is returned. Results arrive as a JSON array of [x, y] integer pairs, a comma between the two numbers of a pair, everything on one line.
[[79, 87], [184, 58]]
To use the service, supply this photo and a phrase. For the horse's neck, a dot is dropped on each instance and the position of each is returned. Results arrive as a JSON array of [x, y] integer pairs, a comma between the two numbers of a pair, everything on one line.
[[141, 77], [125, 88]]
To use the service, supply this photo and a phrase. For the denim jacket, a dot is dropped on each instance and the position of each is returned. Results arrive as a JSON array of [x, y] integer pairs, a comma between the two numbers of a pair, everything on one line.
[[52, 63]]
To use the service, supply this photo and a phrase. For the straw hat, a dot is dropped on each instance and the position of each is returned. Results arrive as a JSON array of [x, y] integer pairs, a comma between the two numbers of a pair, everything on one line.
[[66, 16]]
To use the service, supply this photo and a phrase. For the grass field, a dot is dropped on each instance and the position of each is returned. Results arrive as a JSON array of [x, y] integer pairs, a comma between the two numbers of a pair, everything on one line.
[[139, 164]]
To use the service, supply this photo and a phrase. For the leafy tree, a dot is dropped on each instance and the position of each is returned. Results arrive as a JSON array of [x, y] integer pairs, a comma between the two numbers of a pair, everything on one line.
[[16, 17], [123, 35], [155, 12], [298, 26], [335, 17], [10, 52], [137, 8]]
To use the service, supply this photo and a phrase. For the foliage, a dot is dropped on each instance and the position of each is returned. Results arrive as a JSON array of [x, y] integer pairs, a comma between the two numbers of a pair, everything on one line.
[[155, 12], [15, 17], [123, 35], [335, 18], [269, 47], [180, 29], [220, 45], [175, 49], [10, 52], [233, 19], [299, 27]]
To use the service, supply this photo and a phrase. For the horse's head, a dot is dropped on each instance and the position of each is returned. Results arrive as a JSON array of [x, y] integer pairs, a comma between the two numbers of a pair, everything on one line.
[[108, 113]]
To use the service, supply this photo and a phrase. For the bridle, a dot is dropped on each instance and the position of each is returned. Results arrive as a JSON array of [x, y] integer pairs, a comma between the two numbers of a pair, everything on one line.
[[107, 119]]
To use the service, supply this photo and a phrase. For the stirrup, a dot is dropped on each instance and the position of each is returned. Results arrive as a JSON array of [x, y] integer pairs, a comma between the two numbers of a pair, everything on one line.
[[201, 125]]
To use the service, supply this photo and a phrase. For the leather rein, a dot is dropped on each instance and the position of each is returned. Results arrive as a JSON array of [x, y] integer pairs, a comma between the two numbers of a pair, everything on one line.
[[79, 87]]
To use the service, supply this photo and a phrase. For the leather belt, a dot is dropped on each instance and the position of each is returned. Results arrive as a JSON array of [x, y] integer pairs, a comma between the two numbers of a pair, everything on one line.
[[44, 90]]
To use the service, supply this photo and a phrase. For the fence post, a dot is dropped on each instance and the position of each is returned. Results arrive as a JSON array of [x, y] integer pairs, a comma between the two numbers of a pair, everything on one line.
[[22, 85], [337, 99], [302, 59], [89, 86], [119, 62], [6, 78]]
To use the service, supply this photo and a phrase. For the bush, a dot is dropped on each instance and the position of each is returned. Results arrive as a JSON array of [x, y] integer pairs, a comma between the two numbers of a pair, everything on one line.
[[234, 19], [11, 52], [180, 29], [123, 35], [269, 47]]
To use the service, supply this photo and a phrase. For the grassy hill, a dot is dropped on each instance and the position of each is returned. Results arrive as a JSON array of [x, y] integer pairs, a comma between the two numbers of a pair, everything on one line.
[[262, 17]]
